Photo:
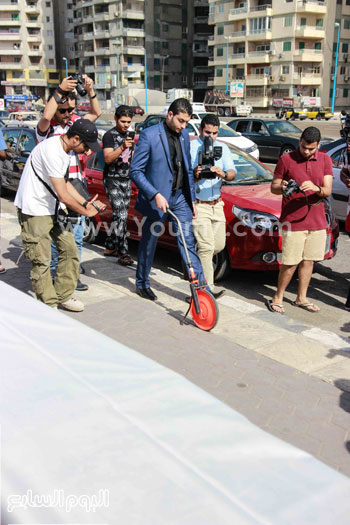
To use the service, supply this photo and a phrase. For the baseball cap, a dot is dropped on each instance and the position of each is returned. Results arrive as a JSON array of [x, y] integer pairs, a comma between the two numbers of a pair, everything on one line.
[[87, 131]]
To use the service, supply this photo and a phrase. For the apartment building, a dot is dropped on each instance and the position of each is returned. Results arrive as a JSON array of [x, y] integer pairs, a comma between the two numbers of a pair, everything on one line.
[[199, 34], [27, 48], [63, 12], [279, 48]]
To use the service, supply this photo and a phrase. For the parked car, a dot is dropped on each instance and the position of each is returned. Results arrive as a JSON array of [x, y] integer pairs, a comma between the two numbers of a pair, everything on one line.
[[2, 123], [274, 138], [84, 107], [138, 110], [295, 114], [4, 114], [318, 113], [225, 134], [252, 213], [340, 193], [30, 118], [20, 141]]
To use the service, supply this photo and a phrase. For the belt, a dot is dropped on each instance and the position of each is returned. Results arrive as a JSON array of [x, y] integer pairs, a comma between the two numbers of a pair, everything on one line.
[[209, 202]]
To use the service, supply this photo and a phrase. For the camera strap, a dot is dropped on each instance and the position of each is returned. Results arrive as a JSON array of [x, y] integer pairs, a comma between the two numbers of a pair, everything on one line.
[[48, 189]]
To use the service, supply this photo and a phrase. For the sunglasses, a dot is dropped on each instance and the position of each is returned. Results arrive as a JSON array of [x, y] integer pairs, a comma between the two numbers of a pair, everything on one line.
[[65, 110]]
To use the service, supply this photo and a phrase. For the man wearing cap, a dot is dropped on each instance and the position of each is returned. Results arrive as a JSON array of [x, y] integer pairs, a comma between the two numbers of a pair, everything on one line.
[[57, 118], [41, 186]]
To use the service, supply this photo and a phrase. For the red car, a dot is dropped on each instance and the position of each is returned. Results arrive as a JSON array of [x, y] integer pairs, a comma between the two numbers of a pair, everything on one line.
[[252, 212], [84, 106]]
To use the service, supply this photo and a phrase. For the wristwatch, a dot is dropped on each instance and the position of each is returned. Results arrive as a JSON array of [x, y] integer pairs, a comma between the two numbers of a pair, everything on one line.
[[225, 175]]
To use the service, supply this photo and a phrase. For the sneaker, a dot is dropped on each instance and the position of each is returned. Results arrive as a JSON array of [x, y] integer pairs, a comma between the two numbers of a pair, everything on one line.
[[81, 287], [73, 305]]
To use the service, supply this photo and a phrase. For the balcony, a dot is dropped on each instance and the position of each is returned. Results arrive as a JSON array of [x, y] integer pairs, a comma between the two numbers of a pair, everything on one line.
[[309, 79], [237, 14], [11, 7], [102, 51], [34, 24], [34, 52], [133, 50], [88, 19], [134, 14], [130, 32], [201, 84], [101, 17], [32, 9], [257, 80], [12, 52], [308, 55], [310, 32], [11, 65], [260, 34], [237, 35], [258, 57], [311, 6], [200, 19], [88, 53], [201, 52], [9, 22], [103, 68], [202, 69], [6, 35], [132, 68], [201, 3], [235, 58], [202, 36], [90, 69], [262, 10], [88, 36], [34, 38], [101, 34]]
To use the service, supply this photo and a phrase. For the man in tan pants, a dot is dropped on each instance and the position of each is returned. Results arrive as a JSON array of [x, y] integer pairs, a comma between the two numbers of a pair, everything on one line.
[[210, 225]]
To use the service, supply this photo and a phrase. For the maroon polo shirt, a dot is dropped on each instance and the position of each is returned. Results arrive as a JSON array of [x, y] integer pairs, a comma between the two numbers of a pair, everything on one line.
[[295, 209]]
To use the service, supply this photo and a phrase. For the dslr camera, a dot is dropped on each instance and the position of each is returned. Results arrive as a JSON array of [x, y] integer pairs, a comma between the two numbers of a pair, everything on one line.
[[292, 187], [80, 84], [207, 157]]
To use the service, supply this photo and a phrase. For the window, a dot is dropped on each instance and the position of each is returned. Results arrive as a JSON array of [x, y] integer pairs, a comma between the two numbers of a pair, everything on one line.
[[220, 52], [11, 139], [318, 46], [130, 61], [288, 21], [165, 45], [303, 22], [50, 48], [301, 45], [47, 19], [287, 46], [51, 61], [165, 28], [53, 76], [345, 92], [27, 141], [70, 20], [285, 70], [344, 47], [339, 2], [219, 72], [347, 23], [342, 70], [319, 22], [49, 32], [48, 4], [220, 30], [221, 8]]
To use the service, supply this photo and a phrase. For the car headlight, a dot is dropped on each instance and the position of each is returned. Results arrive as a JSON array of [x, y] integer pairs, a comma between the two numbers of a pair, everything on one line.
[[252, 148], [256, 219]]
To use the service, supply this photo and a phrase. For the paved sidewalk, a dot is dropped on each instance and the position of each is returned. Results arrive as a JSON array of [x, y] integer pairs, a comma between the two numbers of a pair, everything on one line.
[[272, 369]]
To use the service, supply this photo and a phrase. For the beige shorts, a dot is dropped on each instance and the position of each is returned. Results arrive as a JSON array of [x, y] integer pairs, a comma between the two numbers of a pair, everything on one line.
[[303, 246]]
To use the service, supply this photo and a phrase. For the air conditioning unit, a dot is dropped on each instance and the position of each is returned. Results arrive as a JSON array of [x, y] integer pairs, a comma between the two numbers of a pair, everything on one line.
[[345, 57], [272, 52], [332, 77], [271, 78], [346, 78], [116, 13], [282, 78]]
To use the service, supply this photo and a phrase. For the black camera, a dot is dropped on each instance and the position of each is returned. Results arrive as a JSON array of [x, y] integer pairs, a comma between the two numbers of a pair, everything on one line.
[[80, 87], [130, 134], [207, 157], [292, 187]]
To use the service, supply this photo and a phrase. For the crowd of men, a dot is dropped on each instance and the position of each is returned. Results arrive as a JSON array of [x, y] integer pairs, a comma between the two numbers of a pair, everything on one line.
[[167, 170]]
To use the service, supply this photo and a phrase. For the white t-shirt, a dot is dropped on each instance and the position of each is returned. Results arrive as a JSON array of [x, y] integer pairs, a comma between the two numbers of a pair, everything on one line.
[[49, 160]]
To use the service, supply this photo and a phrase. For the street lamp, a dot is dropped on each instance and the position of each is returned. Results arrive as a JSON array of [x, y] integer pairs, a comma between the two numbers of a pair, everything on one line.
[[335, 67], [66, 61], [146, 80], [164, 59], [227, 39]]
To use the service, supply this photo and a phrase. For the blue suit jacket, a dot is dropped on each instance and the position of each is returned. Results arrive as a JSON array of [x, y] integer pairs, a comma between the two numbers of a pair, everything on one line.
[[151, 169]]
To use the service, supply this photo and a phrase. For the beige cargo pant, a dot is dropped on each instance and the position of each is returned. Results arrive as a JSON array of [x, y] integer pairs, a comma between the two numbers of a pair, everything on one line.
[[209, 229], [37, 234]]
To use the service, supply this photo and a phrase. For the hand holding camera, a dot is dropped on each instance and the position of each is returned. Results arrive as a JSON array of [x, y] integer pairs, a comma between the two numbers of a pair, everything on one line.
[[207, 158], [129, 141]]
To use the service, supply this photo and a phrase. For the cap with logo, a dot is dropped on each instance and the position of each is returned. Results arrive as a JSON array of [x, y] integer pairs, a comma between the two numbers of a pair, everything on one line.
[[87, 131]]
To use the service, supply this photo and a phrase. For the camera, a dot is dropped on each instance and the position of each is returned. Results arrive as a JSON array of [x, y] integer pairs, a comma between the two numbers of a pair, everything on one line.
[[292, 187], [207, 158], [130, 135], [80, 84]]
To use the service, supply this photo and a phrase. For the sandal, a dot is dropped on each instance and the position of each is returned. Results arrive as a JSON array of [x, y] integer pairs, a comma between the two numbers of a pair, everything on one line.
[[125, 259], [309, 307], [272, 307], [2, 269]]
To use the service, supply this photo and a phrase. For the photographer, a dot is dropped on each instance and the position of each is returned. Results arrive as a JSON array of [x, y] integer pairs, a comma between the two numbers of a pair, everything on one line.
[[57, 118], [304, 177], [209, 227], [118, 146], [41, 186]]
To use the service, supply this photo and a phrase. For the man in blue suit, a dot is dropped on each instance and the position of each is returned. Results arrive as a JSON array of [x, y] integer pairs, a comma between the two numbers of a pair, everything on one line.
[[161, 169]]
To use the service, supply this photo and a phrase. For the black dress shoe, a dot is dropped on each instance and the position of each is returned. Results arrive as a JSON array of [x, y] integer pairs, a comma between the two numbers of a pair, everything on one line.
[[81, 287], [82, 269], [146, 293], [217, 295]]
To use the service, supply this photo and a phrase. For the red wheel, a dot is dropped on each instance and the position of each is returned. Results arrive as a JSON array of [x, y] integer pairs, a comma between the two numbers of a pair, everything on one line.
[[209, 314]]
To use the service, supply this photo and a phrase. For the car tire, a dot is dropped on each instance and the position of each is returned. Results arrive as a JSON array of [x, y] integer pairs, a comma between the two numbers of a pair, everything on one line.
[[222, 265], [318, 117], [221, 112], [287, 149], [90, 234], [227, 112]]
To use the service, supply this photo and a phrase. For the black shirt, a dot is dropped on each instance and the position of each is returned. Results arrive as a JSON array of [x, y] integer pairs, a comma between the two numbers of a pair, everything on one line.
[[176, 157], [121, 166]]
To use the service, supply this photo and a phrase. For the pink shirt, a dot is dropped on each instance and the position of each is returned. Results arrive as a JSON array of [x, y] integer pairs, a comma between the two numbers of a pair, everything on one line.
[[295, 209]]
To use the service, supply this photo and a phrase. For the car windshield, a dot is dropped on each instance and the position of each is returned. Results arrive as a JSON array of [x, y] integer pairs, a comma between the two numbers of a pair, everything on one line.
[[282, 127], [248, 170], [226, 131], [101, 121]]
